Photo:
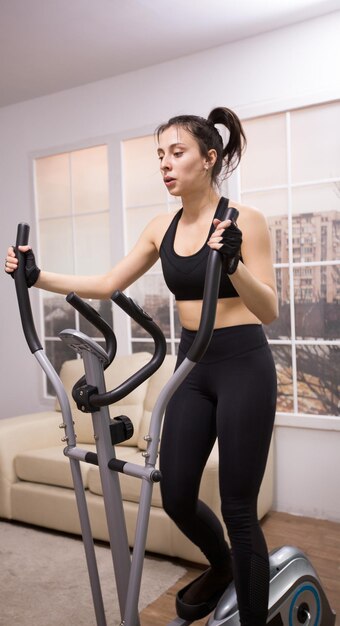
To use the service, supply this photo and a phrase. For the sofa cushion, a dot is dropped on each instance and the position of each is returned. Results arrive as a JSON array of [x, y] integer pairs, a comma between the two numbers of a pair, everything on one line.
[[17, 434], [48, 466], [120, 369], [155, 386]]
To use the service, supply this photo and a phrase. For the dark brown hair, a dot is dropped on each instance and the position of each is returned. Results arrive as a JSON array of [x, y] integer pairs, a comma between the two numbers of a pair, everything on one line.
[[208, 137]]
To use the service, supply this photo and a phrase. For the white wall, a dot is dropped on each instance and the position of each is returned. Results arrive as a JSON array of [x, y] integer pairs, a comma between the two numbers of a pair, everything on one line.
[[307, 471], [292, 66]]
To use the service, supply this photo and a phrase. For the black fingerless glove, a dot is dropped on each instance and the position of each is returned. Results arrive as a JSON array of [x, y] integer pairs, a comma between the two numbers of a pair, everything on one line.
[[32, 271], [231, 248]]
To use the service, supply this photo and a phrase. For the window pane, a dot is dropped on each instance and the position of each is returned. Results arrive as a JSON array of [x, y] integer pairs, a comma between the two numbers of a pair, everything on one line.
[[278, 228], [152, 294], [318, 379], [281, 328], [264, 162], [142, 179], [58, 314], [315, 142], [283, 361], [92, 243], [317, 223], [306, 290], [53, 185], [137, 218], [317, 301], [90, 187], [56, 245], [57, 352], [104, 308], [274, 205], [323, 198]]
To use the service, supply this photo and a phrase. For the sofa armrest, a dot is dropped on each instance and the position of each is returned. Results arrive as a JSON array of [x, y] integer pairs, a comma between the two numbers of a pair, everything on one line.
[[17, 434]]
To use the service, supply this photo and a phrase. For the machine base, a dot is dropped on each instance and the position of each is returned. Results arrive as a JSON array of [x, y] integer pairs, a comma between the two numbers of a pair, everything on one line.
[[295, 594]]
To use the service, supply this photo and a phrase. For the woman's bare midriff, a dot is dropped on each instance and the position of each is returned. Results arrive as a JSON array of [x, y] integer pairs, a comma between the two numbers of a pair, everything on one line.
[[229, 312]]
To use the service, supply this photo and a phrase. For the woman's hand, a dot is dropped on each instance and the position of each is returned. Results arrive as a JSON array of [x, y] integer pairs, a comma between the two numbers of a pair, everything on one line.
[[32, 271], [227, 239], [11, 261]]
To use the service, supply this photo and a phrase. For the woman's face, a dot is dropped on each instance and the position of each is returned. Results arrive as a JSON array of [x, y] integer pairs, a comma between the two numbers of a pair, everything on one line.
[[183, 168]]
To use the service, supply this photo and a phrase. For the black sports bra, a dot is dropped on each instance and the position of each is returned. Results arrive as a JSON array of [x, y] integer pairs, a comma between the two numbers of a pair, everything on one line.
[[184, 275]]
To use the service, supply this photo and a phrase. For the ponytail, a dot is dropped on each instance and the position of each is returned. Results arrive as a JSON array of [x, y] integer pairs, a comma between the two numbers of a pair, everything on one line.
[[232, 152]]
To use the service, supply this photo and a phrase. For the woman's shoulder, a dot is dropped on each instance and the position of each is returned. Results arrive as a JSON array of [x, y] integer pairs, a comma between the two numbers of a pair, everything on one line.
[[158, 226], [246, 210], [248, 215]]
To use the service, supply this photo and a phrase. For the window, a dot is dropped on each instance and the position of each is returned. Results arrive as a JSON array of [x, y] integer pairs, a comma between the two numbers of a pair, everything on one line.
[[291, 171], [72, 207]]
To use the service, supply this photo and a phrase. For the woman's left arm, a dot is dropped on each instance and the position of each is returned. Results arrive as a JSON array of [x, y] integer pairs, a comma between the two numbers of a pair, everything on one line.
[[254, 279]]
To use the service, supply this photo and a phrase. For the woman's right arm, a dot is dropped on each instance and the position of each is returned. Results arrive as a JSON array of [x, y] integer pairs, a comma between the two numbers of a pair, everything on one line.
[[130, 268]]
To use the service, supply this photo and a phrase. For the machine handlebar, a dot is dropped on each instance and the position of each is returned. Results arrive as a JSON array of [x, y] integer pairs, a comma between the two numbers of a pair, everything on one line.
[[143, 319], [27, 322], [210, 297], [92, 316]]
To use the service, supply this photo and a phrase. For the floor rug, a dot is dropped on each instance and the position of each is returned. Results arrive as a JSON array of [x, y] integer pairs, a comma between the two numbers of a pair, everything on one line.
[[44, 579]]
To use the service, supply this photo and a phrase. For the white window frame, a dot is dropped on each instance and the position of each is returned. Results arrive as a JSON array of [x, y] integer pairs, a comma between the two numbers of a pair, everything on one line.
[[294, 418]]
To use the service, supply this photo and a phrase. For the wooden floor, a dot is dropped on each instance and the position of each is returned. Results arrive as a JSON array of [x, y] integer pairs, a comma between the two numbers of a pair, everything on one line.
[[320, 540]]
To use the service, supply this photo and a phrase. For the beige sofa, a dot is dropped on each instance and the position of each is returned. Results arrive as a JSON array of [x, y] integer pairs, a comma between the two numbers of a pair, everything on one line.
[[35, 479]]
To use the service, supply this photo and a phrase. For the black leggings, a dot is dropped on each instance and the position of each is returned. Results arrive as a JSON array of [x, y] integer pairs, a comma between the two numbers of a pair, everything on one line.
[[230, 394]]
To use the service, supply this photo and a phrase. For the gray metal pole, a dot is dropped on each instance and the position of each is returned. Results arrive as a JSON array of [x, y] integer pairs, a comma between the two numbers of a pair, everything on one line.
[[78, 488], [110, 483]]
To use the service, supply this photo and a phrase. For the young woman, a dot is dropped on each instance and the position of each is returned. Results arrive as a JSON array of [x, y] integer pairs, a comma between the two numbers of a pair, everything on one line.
[[231, 393]]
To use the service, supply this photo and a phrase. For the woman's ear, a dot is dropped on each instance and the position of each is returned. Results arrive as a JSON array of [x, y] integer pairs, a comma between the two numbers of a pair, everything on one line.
[[211, 158]]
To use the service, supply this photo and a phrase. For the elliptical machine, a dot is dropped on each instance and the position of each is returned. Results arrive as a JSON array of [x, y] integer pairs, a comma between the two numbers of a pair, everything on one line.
[[296, 595]]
